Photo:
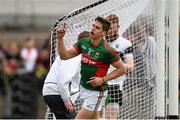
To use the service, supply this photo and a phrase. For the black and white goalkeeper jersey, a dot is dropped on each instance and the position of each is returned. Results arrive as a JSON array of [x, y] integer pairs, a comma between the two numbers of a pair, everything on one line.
[[124, 48], [61, 73]]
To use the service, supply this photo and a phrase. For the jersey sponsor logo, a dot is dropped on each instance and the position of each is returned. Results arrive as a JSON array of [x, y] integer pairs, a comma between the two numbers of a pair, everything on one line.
[[88, 61]]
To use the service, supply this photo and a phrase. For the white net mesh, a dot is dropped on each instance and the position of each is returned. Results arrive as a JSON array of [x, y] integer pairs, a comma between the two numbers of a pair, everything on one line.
[[139, 24]]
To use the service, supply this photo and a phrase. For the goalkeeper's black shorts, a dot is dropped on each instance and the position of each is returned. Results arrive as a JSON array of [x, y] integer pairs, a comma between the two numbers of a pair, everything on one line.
[[115, 94]]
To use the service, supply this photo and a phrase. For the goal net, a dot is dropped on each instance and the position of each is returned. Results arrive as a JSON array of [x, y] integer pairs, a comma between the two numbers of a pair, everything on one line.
[[139, 23]]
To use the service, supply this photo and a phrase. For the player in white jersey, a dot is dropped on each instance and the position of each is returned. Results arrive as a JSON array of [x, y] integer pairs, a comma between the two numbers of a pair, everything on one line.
[[57, 87], [124, 48]]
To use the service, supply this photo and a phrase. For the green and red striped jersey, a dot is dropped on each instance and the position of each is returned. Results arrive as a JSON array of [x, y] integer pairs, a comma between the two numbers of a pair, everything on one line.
[[95, 61]]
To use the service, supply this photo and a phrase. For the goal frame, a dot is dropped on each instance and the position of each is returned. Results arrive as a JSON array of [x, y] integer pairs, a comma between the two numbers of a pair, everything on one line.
[[167, 100], [173, 86]]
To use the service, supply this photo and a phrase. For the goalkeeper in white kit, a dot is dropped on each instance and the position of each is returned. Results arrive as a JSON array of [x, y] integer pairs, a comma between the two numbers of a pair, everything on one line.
[[124, 48], [57, 87]]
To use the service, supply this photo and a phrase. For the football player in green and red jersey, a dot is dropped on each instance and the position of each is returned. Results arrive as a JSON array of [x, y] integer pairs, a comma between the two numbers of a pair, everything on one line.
[[97, 56]]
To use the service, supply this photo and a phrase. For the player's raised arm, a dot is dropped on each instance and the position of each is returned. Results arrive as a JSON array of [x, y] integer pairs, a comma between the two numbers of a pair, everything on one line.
[[63, 52]]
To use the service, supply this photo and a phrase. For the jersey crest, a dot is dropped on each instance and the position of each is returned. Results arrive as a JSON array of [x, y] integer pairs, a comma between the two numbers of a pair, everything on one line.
[[96, 55]]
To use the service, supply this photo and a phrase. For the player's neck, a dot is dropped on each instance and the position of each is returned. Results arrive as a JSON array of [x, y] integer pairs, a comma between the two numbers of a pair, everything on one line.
[[96, 42]]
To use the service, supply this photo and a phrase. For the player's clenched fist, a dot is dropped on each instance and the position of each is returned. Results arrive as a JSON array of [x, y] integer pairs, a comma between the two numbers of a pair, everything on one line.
[[61, 32]]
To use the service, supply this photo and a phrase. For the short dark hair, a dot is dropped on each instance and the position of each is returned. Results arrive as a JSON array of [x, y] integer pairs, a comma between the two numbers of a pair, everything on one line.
[[106, 23]]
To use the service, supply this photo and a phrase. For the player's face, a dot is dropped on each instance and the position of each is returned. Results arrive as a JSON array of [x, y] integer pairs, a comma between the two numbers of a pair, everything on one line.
[[113, 30], [97, 30]]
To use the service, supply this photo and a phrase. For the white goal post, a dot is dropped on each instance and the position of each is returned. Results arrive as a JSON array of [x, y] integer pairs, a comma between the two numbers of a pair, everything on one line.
[[150, 90], [173, 31]]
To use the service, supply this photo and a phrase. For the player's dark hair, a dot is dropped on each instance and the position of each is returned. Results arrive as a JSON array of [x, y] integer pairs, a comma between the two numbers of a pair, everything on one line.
[[106, 23]]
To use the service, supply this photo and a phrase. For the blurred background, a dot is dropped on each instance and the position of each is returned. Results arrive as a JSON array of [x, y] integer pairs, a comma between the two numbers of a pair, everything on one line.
[[24, 53]]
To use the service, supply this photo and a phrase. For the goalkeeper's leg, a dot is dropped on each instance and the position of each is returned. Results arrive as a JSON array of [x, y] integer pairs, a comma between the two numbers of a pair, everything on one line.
[[114, 103]]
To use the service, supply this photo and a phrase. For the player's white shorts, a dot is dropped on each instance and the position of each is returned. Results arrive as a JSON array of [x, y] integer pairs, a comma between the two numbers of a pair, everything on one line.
[[92, 100]]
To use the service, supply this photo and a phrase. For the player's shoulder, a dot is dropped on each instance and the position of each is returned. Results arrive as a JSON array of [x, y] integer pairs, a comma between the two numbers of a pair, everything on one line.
[[83, 41], [110, 49], [107, 46], [125, 41]]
